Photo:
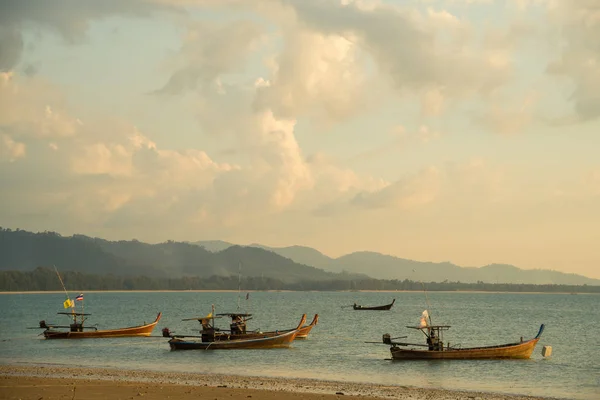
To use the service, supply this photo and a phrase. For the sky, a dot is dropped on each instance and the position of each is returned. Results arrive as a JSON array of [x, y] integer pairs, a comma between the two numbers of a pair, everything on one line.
[[436, 130]]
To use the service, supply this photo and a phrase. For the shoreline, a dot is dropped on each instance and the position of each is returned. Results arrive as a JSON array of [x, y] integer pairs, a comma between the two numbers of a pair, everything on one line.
[[283, 291], [29, 381]]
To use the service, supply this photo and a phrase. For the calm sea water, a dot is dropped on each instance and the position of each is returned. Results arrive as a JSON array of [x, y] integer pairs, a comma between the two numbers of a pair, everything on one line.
[[336, 348]]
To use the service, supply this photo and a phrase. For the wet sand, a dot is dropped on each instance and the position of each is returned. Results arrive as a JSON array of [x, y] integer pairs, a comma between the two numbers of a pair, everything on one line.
[[57, 382]]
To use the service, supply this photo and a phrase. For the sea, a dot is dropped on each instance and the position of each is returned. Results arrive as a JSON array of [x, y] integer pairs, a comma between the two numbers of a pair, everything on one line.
[[338, 348]]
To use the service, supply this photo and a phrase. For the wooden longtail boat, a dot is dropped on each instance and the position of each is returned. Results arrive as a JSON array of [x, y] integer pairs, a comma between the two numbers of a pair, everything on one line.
[[77, 329], [238, 328], [209, 342], [377, 308], [305, 330], [437, 351], [302, 332]]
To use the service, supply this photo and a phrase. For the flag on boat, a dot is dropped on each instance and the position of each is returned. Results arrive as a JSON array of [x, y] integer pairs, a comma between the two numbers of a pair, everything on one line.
[[68, 303], [247, 296], [424, 318], [209, 315], [80, 297]]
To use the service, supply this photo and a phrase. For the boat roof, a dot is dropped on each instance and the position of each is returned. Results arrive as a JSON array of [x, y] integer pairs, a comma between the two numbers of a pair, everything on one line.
[[235, 314], [430, 327], [72, 313], [199, 318]]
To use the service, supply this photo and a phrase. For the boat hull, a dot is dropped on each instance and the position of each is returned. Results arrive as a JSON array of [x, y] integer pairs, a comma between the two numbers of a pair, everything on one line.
[[376, 308], [142, 330], [266, 342], [517, 351], [521, 350], [303, 332]]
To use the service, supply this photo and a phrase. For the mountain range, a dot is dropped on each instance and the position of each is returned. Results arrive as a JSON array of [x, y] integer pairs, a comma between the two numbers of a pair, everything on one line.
[[24, 251], [381, 266]]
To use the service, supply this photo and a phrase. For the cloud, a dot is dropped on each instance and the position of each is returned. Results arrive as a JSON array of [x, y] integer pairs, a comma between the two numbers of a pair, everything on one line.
[[507, 118], [33, 108], [436, 187], [68, 19], [406, 45], [405, 193], [10, 150], [111, 173], [11, 46], [334, 185], [432, 101], [579, 25], [316, 74], [401, 140], [210, 50], [71, 19]]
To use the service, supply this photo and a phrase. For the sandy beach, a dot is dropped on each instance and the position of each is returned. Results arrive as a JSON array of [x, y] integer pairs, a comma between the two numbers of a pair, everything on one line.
[[57, 382]]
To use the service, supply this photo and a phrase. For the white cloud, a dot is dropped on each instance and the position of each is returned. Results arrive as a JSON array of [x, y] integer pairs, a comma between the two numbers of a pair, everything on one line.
[[210, 50], [10, 150], [403, 194], [31, 107], [579, 25], [315, 74], [508, 117], [407, 45]]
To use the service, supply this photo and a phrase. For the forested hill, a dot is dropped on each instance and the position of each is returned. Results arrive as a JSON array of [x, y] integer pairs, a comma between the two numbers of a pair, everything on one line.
[[23, 251], [43, 279]]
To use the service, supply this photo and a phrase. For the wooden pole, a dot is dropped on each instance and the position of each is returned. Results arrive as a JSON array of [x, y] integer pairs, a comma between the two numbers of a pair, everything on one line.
[[239, 283], [214, 330], [74, 316]]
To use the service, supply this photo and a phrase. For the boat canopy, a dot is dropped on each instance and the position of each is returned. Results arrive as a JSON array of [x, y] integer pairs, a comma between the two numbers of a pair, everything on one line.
[[235, 314], [72, 313], [200, 318], [430, 327]]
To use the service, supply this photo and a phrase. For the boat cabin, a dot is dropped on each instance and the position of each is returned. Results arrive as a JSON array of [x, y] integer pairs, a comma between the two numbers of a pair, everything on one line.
[[208, 330], [76, 325], [434, 335], [238, 322]]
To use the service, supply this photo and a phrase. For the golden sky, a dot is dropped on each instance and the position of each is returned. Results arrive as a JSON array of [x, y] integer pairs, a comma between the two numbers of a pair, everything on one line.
[[450, 130]]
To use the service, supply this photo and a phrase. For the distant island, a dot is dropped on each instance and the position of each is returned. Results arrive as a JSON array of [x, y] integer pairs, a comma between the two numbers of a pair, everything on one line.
[[381, 266], [26, 259]]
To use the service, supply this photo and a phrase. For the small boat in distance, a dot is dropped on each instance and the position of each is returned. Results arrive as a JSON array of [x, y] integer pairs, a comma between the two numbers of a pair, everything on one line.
[[77, 330], [386, 307], [436, 350]]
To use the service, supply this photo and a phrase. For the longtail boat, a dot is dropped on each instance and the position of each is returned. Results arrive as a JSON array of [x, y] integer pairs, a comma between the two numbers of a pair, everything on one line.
[[376, 308], [305, 330], [212, 340], [302, 332], [436, 350], [238, 329], [77, 330]]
